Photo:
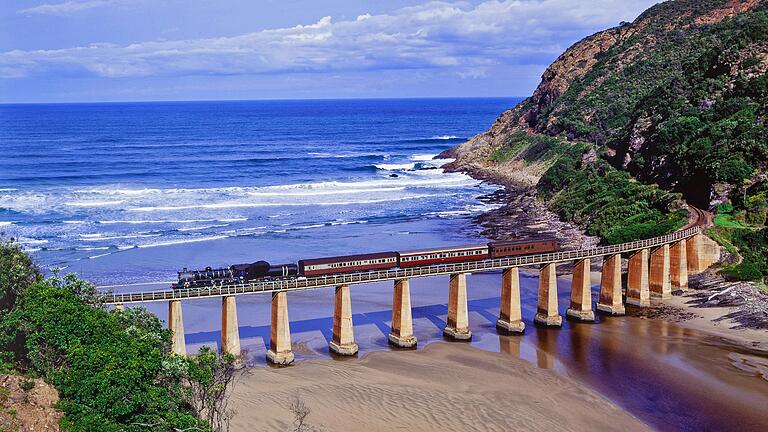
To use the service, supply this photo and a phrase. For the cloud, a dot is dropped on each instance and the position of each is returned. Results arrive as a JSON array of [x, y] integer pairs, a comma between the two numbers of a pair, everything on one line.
[[458, 37], [70, 7]]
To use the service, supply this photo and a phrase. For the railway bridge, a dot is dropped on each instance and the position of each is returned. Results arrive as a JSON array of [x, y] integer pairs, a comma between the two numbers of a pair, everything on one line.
[[656, 266]]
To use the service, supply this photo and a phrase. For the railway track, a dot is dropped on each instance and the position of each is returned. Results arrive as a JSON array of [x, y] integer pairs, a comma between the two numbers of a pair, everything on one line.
[[314, 282], [698, 218]]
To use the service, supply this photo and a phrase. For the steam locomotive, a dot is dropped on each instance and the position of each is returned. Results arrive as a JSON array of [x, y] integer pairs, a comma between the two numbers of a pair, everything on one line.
[[235, 274], [262, 270]]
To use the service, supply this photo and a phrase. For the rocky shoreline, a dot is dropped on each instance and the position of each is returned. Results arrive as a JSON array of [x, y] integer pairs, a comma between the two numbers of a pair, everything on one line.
[[522, 215]]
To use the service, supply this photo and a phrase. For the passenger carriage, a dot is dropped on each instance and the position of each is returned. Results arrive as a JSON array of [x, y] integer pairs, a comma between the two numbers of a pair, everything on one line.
[[424, 257], [348, 264]]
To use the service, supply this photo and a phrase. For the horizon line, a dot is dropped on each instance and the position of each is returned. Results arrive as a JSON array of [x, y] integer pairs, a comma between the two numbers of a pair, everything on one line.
[[256, 100]]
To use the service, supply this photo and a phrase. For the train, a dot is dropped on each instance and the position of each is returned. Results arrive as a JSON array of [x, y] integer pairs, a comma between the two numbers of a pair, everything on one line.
[[327, 266]]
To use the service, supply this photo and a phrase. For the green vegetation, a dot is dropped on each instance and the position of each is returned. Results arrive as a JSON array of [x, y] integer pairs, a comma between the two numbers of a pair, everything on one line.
[[27, 385], [750, 244], [690, 92], [724, 217], [606, 202], [740, 228], [511, 148], [113, 370], [529, 148], [724, 220]]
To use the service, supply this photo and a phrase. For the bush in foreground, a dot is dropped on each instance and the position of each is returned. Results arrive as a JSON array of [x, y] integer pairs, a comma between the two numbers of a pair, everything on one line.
[[113, 370], [108, 367]]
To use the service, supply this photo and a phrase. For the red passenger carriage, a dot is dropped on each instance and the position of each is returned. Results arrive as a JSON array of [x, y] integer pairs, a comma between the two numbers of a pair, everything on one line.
[[501, 249], [423, 257], [348, 264]]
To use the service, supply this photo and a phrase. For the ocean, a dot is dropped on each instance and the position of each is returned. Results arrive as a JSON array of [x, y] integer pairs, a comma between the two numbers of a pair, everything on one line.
[[129, 193]]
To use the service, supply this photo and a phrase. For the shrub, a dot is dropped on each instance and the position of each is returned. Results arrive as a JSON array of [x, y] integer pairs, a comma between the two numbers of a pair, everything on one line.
[[17, 272], [27, 385], [757, 217], [208, 379], [109, 368], [744, 271], [726, 221], [725, 208]]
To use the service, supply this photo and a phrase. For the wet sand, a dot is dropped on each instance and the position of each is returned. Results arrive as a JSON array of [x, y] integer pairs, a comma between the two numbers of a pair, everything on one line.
[[713, 320], [445, 387]]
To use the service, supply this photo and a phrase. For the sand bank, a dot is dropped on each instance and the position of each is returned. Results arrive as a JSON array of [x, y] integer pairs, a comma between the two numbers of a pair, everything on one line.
[[444, 387], [714, 320]]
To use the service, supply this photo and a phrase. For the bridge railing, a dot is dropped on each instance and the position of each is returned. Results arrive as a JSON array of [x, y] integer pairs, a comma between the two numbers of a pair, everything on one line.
[[399, 273]]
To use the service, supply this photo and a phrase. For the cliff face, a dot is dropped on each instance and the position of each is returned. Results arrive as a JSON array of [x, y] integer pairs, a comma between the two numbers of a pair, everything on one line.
[[676, 98]]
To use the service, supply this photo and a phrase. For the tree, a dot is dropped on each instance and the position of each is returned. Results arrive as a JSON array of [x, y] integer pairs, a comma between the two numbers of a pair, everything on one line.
[[17, 272], [209, 379]]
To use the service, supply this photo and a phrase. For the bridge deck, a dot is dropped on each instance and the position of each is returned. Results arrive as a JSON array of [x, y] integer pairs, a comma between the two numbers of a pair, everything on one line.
[[394, 274]]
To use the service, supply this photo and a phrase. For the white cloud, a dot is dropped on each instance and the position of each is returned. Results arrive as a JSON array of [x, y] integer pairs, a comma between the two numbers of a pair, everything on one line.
[[70, 7], [458, 37]]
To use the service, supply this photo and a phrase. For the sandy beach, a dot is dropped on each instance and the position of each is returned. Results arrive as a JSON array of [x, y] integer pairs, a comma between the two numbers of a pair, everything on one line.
[[446, 386], [714, 320]]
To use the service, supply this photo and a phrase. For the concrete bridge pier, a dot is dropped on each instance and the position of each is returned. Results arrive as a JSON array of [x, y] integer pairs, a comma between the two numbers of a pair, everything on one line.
[[678, 259], [280, 332], [547, 313], [458, 313], [693, 258], [176, 325], [581, 292], [401, 334], [343, 342], [660, 283], [701, 252], [638, 288], [510, 315], [610, 286], [230, 331]]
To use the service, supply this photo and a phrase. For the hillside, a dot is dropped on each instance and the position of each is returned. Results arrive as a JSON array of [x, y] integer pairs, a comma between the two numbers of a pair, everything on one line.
[[630, 120]]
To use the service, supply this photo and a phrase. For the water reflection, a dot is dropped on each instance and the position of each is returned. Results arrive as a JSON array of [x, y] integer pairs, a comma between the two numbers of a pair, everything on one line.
[[546, 347]]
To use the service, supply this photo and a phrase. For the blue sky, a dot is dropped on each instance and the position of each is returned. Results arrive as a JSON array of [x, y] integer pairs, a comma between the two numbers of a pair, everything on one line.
[[129, 50]]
